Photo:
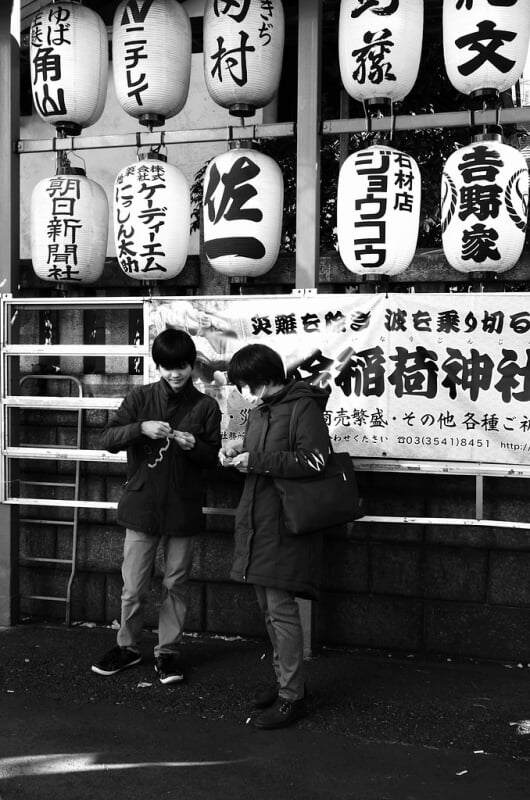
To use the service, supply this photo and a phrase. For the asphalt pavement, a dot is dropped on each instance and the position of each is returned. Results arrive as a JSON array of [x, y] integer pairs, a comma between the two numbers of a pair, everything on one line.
[[382, 726]]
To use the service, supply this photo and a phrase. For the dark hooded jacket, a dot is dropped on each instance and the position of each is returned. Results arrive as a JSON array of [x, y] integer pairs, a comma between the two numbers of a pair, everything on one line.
[[165, 488], [266, 553]]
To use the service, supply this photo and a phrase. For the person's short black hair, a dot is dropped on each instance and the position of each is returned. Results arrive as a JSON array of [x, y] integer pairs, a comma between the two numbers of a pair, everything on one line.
[[173, 349], [256, 365]]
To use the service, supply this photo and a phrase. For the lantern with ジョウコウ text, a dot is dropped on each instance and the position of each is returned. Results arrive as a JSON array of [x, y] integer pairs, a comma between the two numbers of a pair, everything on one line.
[[242, 212], [151, 219], [69, 227], [69, 66], [243, 52], [380, 48], [484, 206], [485, 44], [378, 211], [151, 45]]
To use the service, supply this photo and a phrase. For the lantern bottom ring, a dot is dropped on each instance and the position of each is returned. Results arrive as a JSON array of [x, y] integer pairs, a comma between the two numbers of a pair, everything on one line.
[[151, 120], [242, 110]]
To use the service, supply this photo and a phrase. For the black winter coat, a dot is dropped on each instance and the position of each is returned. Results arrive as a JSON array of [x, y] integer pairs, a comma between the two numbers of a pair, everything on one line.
[[165, 499], [266, 553]]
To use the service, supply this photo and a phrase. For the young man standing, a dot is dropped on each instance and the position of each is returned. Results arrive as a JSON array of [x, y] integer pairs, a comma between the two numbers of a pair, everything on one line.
[[171, 431]]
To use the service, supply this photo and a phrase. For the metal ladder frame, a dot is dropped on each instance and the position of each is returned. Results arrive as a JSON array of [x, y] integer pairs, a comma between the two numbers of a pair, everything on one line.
[[67, 599]]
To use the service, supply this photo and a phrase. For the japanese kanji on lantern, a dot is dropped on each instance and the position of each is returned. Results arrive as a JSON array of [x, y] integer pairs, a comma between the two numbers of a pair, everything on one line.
[[243, 52], [378, 211], [242, 212], [69, 227], [69, 66], [484, 206], [151, 42], [485, 43], [380, 48], [152, 213]]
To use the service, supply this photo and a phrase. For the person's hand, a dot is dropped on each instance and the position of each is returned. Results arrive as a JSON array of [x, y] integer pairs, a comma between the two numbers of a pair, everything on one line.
[[240, 462], [185, 440], [226, 456], [155, 429]]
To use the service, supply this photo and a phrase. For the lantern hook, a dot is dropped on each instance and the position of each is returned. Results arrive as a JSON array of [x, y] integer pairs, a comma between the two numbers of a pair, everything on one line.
[[392, 122]]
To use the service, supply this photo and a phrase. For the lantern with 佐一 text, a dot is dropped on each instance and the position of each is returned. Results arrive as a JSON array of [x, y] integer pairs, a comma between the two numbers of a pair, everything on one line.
[[151, 63], [243, 51], [485, 44], [242, 212], [378, 211], [152, 212], [484, 206], [69, 66], [69, 228], [380, 49]]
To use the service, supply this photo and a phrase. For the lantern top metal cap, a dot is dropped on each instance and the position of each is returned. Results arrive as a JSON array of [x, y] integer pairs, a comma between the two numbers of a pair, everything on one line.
[[152, 155]]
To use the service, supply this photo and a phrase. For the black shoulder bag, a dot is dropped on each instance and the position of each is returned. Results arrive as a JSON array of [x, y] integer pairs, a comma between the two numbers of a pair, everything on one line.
[[328, 499]]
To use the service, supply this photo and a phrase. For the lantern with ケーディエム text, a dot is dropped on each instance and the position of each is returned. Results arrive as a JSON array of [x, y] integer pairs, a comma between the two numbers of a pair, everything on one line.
[[69, 66], [243, 51], [484, 206], [69, 227], [151, 44], [242, 212], [380, 48], [485, 44], [378, 211], [151, 219]]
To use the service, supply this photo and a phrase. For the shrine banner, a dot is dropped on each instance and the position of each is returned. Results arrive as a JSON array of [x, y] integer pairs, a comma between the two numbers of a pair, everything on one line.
[[422, 376]]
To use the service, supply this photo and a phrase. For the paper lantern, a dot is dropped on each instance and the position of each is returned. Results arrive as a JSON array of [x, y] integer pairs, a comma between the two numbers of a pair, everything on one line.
[[378, 211], [380, 48], [485, 43], [69, 66], [69, 228], [151, 219], [151, 47], [243, 51], [242, 212], [484, 206]]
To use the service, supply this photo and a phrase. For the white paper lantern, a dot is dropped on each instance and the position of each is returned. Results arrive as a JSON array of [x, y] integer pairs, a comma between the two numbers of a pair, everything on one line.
[[69, 66], [151, 44], [485, 43], [484, 206], [151, 219], [243, 52], [380, 48], [69, 228], [242, 212], [378, 211]]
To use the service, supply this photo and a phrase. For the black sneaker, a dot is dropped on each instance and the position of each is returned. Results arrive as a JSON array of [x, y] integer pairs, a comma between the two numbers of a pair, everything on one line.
[[280, 714], [265, 697], [115, 660], [169, 668]]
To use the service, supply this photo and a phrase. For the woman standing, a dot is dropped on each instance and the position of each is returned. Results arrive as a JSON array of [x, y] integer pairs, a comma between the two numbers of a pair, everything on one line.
[[280, 565]]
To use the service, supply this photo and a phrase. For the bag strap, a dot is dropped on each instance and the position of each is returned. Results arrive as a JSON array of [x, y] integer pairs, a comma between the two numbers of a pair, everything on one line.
[[291, 429]]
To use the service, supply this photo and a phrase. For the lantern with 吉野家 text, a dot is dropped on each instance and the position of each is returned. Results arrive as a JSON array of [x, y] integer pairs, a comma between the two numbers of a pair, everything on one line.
[[242, 212], [484, 206], [152, 213], [243, 51], [151, 45], [378, 211], [69, 227], [485, 44], [69, 66], [380, 48]]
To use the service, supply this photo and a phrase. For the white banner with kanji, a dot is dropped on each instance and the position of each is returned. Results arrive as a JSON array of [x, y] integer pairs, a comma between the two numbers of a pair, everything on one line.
[[421, 376]]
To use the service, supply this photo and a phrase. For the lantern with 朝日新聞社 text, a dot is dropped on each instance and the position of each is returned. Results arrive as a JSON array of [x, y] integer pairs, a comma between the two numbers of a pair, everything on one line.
[[242, 212], [151, 44], [152, 213], [485, 44], [243, 52], [380, 48], [69, 66], [69, 222], [484, 206], [378, 211]]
